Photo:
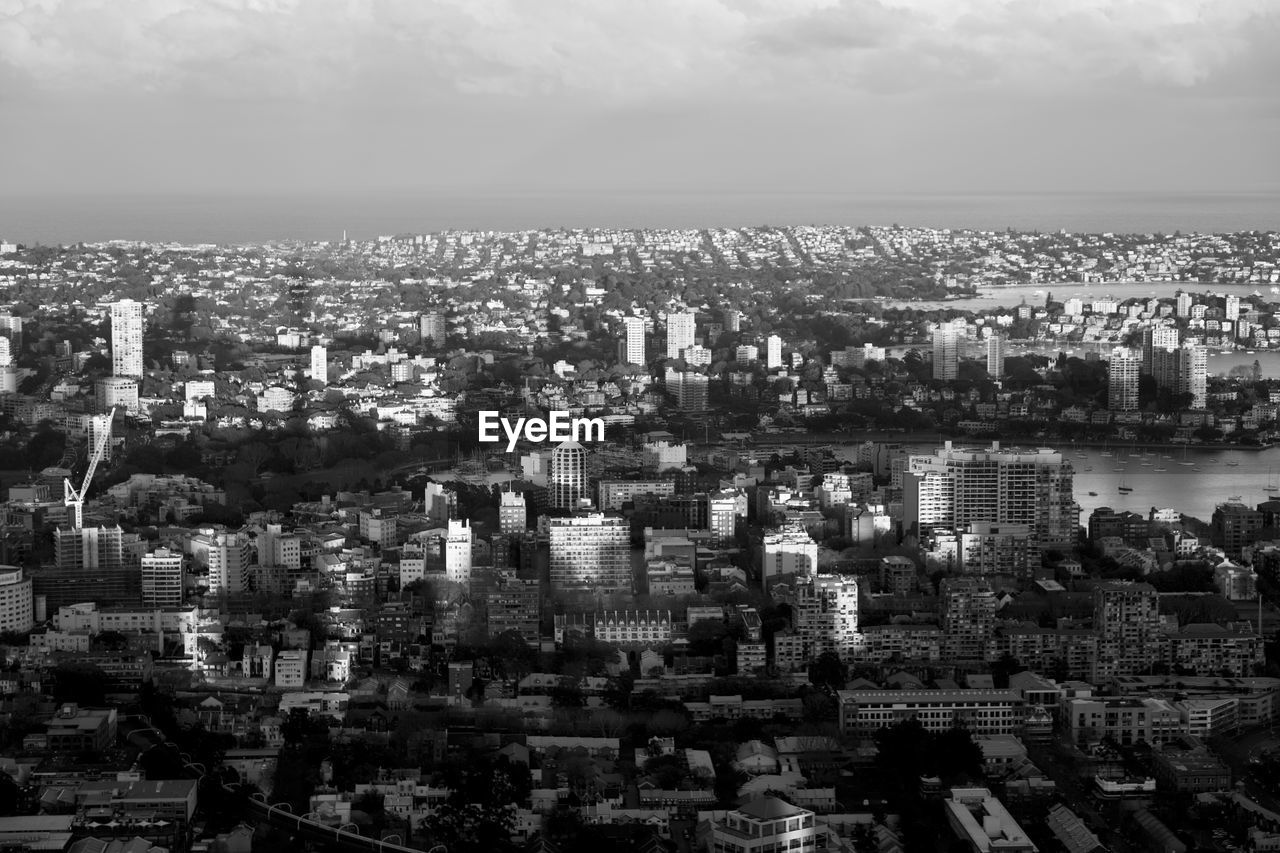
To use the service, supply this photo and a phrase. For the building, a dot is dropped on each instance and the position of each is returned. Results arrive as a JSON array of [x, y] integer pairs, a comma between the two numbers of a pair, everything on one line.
[[688, 389], [995, 356], [978, 818], [765, 825], [1184, 765], [17, 607], [613, 495], [275, 399], [681, 330], [1156, 338], [126, 338], [568, 481], [457, 552], [1126, 617], [431, 328], [115, 391], [723, 509], [89, 565], [319, 364], [1182, 370], [633, 341], [82, 730], [663, 456], [513, 514], [967, 608], [514, 606], [788, 553], [1004, 549], [824, 619], [228, 555], [591, 551], [162, 578], [1235, 526], [981, 711], [948, 338], [773, 352], [1122, 719], [1122, 380], [291, 668], [957, 486]]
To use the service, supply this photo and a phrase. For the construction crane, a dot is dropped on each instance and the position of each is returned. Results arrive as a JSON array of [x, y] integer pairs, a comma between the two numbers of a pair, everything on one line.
[[74, 499]]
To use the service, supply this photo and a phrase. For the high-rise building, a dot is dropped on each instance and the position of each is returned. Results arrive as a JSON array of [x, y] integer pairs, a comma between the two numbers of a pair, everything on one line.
[[512, 513], [995, 356], [1184, 302], [948, 338], [1122, 380], [681, 329], [17, 608], [955, 486], [89, 565], [568, 481], [773, 352], [787, 553], [1235, 526], [320, 364], [732, 320], [722, 514], [634, 329], [126, 338], [1156, 338], [228, 554], [1126, 616], [162, 578], [514, 605], [591, 551], [967, 616], [1232, 308], [688, 388], [457, 552], [431, 328], [1193, 374]]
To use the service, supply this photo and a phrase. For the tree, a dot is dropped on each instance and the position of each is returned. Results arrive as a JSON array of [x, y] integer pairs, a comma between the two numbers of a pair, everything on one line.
[[828, 669]]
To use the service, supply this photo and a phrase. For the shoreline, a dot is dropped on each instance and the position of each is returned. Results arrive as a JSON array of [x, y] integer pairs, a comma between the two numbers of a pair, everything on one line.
[[883, 437]]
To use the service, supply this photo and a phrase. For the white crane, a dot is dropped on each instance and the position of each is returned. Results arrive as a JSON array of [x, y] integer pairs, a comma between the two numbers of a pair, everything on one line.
[[74, 499]]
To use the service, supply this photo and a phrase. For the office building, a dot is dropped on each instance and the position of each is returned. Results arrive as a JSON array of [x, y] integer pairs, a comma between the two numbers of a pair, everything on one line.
[[162, 578], [948, 339], [17, 607], [681, 330], [457, 552], [958, 486], [995, 356], [592, 552], [431, 328], [765, 825], [633, 328], [319, 364], [967, 615], [513, 514], [773, 352], [1122, 380], [568, 479], [788, 554], [981, 711], [126, 338], [115, 391]]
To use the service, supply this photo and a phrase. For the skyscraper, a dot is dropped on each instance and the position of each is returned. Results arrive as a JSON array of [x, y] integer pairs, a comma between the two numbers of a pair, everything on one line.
[[681, 329], [634, 328], [320, 364], [1193, 374], [773, 352], [17, 611], [457, 552], [995, 356], [1184, 302], [824, 619], [568, 480], [126, 338], [947, 338], [956, 486], [1126, 616], [688, 388], [1122, 380], [591, 552], [1232, 308], [89, 565]]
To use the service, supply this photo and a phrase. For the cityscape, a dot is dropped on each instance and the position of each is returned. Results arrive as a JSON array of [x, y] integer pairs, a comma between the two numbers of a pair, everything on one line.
[[726, 540], [690, 426]]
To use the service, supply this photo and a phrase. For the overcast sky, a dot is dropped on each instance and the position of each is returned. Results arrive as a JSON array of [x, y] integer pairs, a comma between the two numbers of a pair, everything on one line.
[[592, 95]]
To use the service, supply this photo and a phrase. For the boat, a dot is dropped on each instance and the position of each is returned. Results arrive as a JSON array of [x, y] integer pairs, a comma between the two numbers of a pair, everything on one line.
[[1233, 463], [1184, 460], [1271, 481], [1093, 494], [1123, 489], [1088, 467], [1160, 468]]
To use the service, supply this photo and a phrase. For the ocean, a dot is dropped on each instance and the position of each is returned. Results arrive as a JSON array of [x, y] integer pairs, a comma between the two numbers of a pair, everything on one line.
[[322, 215]]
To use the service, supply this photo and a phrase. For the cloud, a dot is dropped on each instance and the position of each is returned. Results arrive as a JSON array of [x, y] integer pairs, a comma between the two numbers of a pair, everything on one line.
[[603, 51]]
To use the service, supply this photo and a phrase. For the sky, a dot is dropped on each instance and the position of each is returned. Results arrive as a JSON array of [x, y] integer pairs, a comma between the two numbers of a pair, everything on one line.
[[600, 96]]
